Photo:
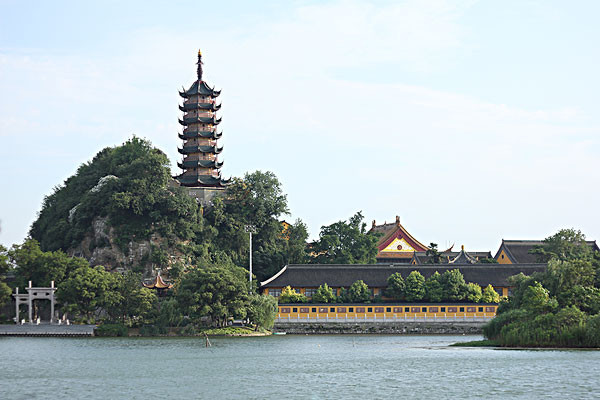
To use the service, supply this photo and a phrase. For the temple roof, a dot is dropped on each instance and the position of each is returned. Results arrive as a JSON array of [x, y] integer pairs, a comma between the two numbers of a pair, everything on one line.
[[421, 257], [158, 283], [186, 164], [203, 134], [396, 242], [200, 149], [518, 251], [200, 106], [200, 120], [344, 275], [202, 181], [200, 88]]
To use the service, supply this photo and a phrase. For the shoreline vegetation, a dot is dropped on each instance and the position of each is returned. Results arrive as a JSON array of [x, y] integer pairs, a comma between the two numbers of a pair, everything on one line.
[[119, 330]]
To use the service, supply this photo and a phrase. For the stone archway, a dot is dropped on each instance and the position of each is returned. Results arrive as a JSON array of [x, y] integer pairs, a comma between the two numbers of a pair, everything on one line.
[[34, 293]]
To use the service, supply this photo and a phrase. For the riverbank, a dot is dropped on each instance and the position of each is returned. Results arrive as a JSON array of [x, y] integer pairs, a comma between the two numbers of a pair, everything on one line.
[[229, 331], [396, 328]]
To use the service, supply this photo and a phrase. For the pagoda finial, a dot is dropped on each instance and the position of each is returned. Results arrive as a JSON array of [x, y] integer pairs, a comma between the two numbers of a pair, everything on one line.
[[199, 65]]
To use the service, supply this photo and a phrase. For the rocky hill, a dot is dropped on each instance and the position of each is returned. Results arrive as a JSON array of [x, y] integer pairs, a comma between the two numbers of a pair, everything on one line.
[[121, 210]]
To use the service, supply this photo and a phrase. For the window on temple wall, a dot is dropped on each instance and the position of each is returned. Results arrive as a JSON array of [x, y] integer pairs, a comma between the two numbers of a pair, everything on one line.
[[310, 292], [275, 292]]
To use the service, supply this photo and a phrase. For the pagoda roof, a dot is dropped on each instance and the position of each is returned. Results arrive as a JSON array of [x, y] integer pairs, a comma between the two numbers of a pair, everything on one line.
[[200, 149], [202, 181], [186, 164], [200, 120], [396, 242], [200, 134], [200, 106], [376, 275], [200, 88], [158, 283]]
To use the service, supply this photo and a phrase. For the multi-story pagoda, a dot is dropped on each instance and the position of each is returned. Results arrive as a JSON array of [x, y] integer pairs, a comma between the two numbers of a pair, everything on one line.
[[200, 164]]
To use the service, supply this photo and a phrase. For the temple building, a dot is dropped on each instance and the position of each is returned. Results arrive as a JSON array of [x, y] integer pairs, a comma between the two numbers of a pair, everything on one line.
[[519, 251], [306, 279], [396, 245], [200, 164]]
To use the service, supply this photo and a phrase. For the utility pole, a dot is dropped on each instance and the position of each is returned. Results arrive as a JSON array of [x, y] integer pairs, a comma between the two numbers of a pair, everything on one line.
[[250, 229]]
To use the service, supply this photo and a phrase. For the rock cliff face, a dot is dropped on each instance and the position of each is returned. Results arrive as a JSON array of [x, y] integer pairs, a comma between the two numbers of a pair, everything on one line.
[[99, 247]]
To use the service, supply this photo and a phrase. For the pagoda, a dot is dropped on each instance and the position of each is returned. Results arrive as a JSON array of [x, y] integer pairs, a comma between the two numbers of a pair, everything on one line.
[[200, 164]]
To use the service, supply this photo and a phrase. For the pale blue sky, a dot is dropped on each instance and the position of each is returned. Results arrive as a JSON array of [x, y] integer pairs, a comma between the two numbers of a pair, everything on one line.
[[472, 120]]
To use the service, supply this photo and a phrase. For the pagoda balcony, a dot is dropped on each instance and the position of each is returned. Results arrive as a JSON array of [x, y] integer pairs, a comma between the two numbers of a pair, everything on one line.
[[188, 164], [189, 106], [200, 120], [200, 149], [192, 134]]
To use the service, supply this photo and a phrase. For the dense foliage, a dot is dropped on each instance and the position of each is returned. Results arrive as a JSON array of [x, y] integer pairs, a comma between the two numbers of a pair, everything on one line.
[[345, 243], [129, 185], [560, 307]]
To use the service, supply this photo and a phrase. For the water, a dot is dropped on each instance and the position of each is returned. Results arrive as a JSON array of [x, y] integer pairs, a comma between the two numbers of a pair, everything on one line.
[[289, 367]]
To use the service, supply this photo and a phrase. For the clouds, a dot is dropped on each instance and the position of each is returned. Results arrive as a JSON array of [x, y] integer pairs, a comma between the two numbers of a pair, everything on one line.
[[350, 103]]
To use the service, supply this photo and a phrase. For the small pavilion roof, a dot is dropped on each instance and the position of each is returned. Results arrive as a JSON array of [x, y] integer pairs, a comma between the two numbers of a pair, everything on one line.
[[158, 283]]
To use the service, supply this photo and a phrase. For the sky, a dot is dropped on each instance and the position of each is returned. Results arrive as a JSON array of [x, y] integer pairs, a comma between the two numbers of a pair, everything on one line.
[[472, 120]]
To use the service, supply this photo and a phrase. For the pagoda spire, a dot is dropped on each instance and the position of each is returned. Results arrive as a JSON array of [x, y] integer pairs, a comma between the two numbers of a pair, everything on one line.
[[199, 65]]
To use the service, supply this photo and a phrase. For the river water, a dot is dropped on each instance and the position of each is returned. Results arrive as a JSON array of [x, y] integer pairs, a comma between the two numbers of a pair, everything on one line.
[[290, 367]]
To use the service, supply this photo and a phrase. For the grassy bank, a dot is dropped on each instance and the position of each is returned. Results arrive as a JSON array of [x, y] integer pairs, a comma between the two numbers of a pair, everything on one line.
[[477, 343]]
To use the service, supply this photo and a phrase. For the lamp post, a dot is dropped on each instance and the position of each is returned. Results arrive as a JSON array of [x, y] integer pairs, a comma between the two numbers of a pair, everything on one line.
[[250, 229]]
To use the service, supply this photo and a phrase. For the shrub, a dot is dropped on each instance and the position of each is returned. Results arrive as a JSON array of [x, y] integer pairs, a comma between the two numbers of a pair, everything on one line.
[[289, 295], [415, 286], [474, 294], [324, 294], [111, 330]]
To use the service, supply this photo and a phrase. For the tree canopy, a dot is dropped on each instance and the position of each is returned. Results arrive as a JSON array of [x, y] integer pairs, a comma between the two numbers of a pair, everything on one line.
[[345, 243]]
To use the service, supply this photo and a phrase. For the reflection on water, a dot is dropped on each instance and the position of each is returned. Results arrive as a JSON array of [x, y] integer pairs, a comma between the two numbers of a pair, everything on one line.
[[291, 367]]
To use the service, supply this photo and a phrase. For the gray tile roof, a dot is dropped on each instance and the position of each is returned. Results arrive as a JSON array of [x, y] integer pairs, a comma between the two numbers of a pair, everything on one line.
[[376, 275], [518, 251]]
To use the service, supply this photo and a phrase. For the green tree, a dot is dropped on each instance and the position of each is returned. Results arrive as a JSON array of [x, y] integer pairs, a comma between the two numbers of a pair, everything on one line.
[[395, 286], [127, 298], [257, 200], [5, 290], [566, 244], [415, 286], [324, 294], [454, 285], [474, 294], [86, 290], [214, 291], [345, 243], [262, 310], [41, 267], [489, 295], [290, 295], [537, 299], [435, 257], [434, 290], [358, 292]]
